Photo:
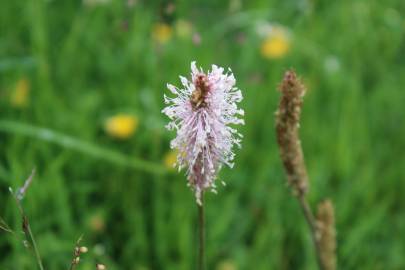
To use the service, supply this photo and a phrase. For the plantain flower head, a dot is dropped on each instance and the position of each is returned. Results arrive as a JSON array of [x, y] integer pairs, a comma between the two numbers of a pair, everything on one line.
[[203, 112]]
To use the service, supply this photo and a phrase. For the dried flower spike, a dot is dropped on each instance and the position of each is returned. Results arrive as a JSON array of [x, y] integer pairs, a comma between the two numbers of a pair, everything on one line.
[[287, 125], [201, 112], [327, 234]]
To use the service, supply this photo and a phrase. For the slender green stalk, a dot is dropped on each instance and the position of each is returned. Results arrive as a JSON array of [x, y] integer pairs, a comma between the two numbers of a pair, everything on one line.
[[76, 254], [4, 226], [201, 235], [88, 148], [34, 246], [28, 232]]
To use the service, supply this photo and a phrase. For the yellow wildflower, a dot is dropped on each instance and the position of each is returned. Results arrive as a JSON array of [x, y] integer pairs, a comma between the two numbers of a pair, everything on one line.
[[226, 265], [19, 97], [121, 126], [97, 222], [183, 28], [162, 33], [170, 159], [276, 44]]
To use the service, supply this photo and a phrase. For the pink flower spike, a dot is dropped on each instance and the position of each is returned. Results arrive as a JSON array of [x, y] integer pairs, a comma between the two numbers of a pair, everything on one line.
[[202, 112]]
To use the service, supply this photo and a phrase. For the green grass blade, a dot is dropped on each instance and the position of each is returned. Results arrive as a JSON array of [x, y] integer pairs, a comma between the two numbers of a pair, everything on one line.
[[72, 143]]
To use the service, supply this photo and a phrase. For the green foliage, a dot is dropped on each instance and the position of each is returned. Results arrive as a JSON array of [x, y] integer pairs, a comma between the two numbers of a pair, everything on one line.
[[85, 63]]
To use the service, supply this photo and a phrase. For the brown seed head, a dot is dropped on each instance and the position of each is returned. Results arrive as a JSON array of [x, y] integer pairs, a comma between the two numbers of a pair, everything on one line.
[[287, 125], [327, 234]]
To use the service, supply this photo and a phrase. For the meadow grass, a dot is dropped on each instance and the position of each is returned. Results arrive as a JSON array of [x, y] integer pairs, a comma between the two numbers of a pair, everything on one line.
[[85, 63]]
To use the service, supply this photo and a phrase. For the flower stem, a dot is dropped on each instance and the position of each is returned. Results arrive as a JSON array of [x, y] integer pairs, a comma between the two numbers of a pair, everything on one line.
[[310, 219], [201, 235], [34, 245], [28, 232]]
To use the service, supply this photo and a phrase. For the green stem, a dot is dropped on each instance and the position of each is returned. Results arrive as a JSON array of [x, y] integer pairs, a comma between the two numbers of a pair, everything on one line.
[[76, 253], [27, 231], [34, 246], [310, 219], [201, 235]]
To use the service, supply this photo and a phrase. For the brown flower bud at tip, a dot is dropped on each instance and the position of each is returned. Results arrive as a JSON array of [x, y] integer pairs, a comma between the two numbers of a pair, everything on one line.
[[287, 125]]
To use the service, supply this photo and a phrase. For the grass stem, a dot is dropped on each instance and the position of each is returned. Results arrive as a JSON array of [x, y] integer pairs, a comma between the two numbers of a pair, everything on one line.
[[28, 232], [310, 219], [34, 246], [201, 235]]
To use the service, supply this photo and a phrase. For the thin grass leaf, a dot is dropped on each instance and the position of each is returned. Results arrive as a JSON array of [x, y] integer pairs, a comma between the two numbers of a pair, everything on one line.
[[4, 226], [72, 143]]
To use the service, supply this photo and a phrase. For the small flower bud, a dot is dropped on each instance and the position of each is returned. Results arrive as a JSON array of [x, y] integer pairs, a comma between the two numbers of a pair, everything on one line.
[[83, 249], [100, 266], [76, 260]]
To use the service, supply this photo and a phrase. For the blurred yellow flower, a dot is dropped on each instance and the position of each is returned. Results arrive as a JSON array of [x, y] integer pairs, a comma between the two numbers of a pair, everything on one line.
[[226, 265], [162, 33], [170, 159], [96, 222], [121, 126], [183, 28], [276, 44], [20, 96]]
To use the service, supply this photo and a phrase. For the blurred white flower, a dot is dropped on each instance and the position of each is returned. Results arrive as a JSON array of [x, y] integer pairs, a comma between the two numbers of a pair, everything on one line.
[[99, 249], [331, 64], [263, 28]]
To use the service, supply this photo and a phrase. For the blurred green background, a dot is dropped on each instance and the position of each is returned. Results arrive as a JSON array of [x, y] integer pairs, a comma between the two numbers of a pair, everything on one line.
[[81, 93]]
